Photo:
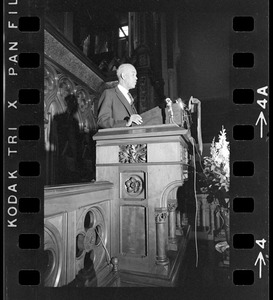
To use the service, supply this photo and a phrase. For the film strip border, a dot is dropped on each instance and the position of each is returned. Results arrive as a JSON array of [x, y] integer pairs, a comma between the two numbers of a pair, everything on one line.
[[249, 152], [24, 148]]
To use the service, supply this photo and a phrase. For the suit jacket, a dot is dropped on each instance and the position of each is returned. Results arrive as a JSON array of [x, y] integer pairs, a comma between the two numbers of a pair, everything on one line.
[[114, 110]]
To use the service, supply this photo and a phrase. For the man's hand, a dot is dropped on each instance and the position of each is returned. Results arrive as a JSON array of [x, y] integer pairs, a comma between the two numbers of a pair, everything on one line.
[[134, 119]]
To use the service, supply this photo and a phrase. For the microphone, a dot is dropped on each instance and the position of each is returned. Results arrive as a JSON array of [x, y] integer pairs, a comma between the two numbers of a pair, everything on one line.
[[180, 103], [192, 102], [170, 109], [191, 107]]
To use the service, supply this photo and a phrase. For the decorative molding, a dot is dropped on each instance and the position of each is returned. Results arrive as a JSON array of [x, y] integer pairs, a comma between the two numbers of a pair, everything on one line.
[[50, 80], [59, 83], [53, 246], [184, 154], [60, 37], [75, 189], [170, 192], [133, 153], [133, 230], [94, 231], [161, 215], [170, 132], [134, 185], [143, 93], [172, 205], [60, 53]]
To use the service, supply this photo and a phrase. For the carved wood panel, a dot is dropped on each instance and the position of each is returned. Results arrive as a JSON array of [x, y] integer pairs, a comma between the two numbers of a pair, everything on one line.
[[59, 163], [54, 250], [77, 245], [133, 153], [133, 185], [133, 230]]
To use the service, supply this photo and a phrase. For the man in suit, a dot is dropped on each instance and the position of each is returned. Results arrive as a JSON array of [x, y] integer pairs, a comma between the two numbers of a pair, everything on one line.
[[116, 108]]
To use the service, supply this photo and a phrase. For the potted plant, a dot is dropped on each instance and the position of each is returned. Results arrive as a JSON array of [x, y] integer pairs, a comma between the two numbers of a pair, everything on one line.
[[215, 178]]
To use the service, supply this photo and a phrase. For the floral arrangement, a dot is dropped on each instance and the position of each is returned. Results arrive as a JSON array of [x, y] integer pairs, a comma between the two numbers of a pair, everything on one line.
[[215, 179]]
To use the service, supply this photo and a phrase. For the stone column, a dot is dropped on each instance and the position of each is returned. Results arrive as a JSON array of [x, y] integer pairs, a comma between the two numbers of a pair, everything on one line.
[[172, 205], [160, 219]]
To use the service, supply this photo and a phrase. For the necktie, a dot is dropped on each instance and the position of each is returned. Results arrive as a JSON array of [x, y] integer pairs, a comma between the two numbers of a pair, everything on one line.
[[131, 98], [132, 103]]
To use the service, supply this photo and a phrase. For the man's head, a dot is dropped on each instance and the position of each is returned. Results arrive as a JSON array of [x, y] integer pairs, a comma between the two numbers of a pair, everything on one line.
[[127, 76]]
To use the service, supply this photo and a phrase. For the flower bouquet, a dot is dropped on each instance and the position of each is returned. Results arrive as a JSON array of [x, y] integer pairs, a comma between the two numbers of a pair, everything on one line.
[[215, 178]]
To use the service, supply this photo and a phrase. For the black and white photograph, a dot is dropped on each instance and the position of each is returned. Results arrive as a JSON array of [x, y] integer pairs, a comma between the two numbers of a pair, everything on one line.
[[142, 169]]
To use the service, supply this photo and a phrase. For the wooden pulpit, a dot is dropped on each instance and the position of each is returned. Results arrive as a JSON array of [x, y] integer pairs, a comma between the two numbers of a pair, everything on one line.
[[146, 164]]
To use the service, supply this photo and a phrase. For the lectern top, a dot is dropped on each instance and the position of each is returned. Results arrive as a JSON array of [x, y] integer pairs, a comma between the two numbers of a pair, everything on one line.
[[141, 131]]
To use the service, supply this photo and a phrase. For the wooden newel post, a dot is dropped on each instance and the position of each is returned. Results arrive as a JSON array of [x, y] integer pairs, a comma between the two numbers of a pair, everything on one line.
[[172, 205], [161, 215]]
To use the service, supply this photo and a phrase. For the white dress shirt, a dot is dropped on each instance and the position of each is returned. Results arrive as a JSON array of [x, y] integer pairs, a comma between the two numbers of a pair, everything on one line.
[[125, 93]]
